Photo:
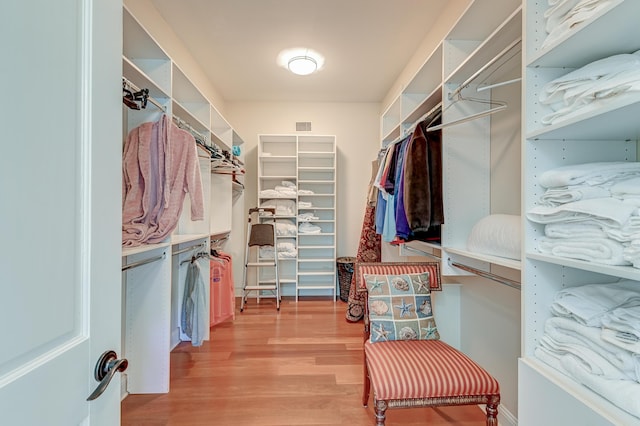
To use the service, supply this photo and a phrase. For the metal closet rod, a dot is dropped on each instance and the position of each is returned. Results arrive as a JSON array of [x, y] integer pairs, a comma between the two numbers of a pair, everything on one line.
[[143, 262], [485, 67], [415, 123], [468, 118], [422, 253], [220, 240], [488, 275], [184, 250], [189, 127], [150, 99]]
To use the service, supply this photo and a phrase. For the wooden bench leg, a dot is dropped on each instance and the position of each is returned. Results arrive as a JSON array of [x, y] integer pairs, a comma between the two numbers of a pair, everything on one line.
[[492, 411], [380, 410], [367, 386]]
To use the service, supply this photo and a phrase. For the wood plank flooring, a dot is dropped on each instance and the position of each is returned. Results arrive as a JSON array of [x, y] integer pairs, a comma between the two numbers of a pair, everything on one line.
[[301, 366]]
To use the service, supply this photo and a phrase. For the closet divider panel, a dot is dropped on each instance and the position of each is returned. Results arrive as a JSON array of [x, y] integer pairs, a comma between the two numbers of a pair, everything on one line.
[[220, 203], [147, 318]]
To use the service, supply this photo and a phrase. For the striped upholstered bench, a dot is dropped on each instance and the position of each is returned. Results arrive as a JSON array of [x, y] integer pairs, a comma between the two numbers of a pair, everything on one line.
[[405, 362]]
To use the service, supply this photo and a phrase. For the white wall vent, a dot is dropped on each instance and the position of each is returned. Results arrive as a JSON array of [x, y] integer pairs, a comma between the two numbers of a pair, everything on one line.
[[303, 126]]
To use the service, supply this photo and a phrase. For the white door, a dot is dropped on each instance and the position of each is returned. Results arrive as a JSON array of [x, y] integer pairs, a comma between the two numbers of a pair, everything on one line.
[[60, 284]]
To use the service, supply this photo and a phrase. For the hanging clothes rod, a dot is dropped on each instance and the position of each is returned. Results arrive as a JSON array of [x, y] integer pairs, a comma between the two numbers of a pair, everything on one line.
[[135, 88], [422, 253], [184, 250], [468, 118], [184, 125], [502, 83], [485, 67], [218, 242], [195, 257], [415, 123], [143, 262], [488, 275]]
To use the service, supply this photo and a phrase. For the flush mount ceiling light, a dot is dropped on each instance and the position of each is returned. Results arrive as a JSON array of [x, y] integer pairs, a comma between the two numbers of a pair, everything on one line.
[[302, 65], [300, 61]]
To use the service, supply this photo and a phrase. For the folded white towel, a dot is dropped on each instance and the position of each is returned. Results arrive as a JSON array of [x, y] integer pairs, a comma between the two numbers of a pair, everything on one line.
[[585, 229], [586, 342], [614, 337], [626, 187], [625, 320], [589, 173], [568, 194], [560, 24], [593, 362], [622, 393], [632, 253], [308, 228], [597, 250], [588, 303], [606, 211]]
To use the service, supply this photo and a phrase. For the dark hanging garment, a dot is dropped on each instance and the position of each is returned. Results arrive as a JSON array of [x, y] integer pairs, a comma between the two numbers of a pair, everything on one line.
[[403, 230], [423, 183]]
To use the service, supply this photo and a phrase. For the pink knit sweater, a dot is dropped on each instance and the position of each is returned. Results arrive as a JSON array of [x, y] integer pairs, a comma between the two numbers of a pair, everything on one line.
[[160, 166]]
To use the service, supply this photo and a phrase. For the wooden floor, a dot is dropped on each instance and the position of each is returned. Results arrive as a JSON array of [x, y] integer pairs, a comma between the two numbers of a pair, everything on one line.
[[300, 366]]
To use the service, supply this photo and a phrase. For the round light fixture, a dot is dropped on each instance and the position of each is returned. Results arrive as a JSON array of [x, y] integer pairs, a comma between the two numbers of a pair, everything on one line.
[[302, 65], [301, 60]]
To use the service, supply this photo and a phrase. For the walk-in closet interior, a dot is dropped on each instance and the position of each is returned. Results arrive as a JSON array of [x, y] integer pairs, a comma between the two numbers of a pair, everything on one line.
[[477, 86], [525, 187]]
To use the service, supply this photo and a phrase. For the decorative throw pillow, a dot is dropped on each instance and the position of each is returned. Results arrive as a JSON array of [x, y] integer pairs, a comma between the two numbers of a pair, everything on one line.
[[400, 307]]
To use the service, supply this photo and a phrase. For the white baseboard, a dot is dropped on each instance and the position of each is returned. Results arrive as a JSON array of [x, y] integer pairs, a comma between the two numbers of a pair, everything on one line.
[[505, 417]]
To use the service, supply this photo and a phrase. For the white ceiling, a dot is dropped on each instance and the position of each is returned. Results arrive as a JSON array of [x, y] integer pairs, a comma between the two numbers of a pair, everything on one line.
[[366, 44]]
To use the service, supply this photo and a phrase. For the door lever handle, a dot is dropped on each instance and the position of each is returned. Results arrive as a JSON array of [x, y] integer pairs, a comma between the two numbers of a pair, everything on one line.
[[107, 366]]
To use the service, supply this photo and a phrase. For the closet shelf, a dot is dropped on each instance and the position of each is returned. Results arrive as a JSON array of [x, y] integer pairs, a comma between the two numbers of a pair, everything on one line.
[[495, 260], [130, 251], [276, 158], [605, 408], [626, 272], [606, 33], [278, 177], [617, 119], [141, 79], [502, 47], [186, 238]]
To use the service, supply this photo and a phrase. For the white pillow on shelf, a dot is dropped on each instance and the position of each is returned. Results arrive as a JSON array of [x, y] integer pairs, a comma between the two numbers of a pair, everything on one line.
[[497, 235]]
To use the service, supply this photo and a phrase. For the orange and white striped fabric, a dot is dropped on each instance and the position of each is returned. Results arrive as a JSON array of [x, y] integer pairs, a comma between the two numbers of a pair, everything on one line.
[[411, 369]]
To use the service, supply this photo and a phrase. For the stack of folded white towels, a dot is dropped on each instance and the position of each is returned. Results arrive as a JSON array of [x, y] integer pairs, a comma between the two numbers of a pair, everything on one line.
[[591, 87], [564, 16], [288, 189], [591, 212], [286, 250], [594, 338]]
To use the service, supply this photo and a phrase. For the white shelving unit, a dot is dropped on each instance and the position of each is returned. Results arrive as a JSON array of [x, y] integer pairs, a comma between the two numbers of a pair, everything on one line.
[[608, 134], [153, 291], [309, 161]]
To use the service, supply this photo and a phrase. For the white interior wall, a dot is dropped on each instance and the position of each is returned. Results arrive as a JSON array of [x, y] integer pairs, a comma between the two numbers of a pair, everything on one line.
[[449, 16], [356, 127]]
